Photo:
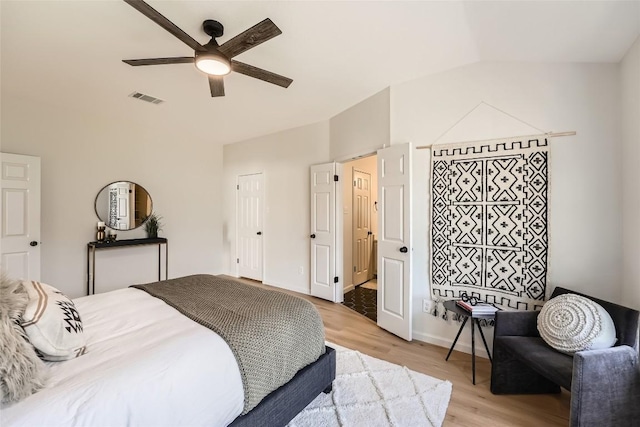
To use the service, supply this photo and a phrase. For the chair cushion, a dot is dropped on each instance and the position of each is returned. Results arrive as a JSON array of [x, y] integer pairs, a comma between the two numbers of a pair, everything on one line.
[[571, 323], [555, 366]]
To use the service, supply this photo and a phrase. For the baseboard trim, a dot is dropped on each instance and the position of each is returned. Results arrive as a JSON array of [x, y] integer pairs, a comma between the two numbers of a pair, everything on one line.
[[446, 343], [348, 288], [300, 289]]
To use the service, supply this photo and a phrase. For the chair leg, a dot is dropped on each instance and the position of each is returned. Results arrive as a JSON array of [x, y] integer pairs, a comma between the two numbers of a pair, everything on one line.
[[510, 376]]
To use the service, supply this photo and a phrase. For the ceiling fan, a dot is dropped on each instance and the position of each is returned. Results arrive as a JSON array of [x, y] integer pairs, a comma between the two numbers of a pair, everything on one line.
[[211, 58]]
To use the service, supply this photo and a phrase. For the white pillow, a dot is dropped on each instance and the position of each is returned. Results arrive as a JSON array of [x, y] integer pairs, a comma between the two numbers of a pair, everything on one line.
[[571, 323], [52, 323]]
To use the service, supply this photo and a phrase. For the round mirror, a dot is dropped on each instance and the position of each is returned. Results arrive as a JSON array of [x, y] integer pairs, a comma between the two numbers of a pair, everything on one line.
[[123, 205]]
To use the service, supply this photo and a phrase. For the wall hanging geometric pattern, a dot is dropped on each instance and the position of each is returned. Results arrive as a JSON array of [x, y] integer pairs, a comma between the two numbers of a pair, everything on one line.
[[489, 233]]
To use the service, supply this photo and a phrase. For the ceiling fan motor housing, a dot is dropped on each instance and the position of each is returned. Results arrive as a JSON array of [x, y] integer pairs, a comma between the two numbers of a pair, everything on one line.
[[216, 59]]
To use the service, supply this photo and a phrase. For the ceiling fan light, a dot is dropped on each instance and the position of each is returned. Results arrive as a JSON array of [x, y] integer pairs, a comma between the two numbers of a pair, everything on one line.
[[213, 64]]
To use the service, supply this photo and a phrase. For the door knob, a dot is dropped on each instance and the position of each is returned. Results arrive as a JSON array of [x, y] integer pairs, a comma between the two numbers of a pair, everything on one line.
[[369, 233], [259, 233], [404, 249], [33, 243], [313, 236]]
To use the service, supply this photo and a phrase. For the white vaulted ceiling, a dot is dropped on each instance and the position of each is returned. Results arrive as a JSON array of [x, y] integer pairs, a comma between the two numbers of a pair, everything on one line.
[[68, 53]]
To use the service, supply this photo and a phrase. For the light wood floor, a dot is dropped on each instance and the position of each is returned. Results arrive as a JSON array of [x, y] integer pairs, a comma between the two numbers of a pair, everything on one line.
[[470, 405]]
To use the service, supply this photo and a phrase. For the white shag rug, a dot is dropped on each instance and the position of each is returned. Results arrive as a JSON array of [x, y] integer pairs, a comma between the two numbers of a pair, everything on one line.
[[370, 392]]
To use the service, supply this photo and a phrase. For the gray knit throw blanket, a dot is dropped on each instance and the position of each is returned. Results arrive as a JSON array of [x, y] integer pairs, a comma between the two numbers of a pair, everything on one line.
[[272, 334]]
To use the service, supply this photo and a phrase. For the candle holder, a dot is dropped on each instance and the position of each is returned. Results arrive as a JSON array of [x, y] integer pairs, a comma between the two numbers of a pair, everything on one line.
[[100, 234]]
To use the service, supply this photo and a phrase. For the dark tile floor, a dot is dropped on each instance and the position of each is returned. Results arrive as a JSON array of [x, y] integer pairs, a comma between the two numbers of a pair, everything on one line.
[[364, 301]]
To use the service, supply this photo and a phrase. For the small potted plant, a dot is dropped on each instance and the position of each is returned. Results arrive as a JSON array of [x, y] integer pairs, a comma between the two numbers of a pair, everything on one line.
[[152, 225]]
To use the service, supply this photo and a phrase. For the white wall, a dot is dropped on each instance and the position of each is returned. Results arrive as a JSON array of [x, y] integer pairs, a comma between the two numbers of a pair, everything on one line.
[[284, 158], [361, 129], [585, 200], [630, 90], [81, 152], [358, 131], [366, 164]]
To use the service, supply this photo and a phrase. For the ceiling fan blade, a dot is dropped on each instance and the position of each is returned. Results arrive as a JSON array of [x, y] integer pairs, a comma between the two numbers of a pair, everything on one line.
[[259, 33], [259, 73], [216, 84], [160, 61], [159, 19]]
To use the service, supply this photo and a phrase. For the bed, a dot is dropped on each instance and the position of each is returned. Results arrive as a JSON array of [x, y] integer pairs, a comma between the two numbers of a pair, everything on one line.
[[147, 363]]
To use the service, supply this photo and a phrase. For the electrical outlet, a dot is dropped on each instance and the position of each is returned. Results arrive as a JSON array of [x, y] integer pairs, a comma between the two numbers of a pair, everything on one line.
[[426, 305], [301, 270]]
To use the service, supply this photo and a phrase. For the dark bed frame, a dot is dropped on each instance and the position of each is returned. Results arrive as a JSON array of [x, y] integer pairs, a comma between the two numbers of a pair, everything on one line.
[[283, 404]]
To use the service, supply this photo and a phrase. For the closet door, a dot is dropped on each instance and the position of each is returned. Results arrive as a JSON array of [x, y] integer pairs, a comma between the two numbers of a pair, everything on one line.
[[250, 226]]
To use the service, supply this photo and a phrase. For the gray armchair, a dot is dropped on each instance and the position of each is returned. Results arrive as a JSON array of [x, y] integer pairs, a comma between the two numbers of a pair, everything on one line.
[[604, 384]]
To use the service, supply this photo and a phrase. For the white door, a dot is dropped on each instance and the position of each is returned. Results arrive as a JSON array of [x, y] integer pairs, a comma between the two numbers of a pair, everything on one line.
[[325, 231], [20, 245], [250, 225], [394, 240], [361, 227]]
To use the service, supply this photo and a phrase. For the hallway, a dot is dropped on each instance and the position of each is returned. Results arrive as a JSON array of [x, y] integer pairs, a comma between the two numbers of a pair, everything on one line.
[[363, 299]]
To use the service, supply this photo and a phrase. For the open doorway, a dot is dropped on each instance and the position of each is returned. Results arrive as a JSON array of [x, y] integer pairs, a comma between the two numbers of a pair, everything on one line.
[[391, 249], [360, 229]]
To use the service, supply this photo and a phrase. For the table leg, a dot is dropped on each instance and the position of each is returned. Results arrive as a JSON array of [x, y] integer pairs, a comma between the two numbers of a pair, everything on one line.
[[93, 273], [484, 340], [473, 351], [457, 336], [88, 270], [166, 260], [159, 262]]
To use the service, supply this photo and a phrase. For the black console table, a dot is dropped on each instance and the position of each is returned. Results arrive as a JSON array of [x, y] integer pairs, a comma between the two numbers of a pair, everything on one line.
[[92, 247]]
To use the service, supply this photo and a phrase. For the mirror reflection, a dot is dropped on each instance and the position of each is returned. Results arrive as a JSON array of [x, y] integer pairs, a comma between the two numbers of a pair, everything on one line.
[[123, 205]]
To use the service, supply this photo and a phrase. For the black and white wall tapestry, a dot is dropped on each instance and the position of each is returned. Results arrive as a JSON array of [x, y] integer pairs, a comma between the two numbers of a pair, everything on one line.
[[489, 231]]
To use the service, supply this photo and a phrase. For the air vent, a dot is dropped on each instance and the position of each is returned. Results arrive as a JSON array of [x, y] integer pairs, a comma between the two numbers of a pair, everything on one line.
[[146, 98]]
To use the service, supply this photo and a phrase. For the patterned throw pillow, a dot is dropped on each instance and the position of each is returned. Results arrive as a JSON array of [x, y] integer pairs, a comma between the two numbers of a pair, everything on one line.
[[571, 323], [52, 323]]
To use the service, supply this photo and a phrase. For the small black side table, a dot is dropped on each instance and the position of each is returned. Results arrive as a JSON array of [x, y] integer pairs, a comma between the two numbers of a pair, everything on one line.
[[92, 247], [452, 306]]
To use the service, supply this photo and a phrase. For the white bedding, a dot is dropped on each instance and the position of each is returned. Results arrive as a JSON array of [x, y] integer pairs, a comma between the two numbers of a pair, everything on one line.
[[146, 365]]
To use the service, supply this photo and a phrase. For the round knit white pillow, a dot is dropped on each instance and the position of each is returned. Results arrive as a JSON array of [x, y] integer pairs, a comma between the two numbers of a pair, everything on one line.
[[571, 323]]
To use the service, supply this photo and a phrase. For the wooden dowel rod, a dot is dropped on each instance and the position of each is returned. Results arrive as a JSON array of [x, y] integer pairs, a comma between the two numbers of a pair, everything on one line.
[[548, 135]]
